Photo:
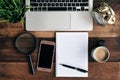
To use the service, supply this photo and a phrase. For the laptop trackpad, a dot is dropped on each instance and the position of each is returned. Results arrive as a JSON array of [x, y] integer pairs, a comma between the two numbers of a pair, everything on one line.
[[59, 21]]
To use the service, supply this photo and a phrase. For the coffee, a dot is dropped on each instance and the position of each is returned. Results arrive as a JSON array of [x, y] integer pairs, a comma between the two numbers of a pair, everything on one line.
[[101, 54]]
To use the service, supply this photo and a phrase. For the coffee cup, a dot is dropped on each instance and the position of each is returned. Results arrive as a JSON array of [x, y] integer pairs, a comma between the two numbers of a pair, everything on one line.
[[100, 54]]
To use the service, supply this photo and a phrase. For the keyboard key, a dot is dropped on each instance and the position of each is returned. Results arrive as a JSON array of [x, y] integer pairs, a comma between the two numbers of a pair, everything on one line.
[[38, 0], [73, 4], [46, 0], [43, 8], [82, 8], [65, 4], [67, 0], [83, 4], [56, 4], [69, 4], [84, 0], [74, 8], [53, 4], [40, 4], [50, 0], [34, 4], [57, 8], [42, 0], [44, 4], [32, 0], [71, 0], [59, 0], [77, 4], [69, 8], [35, 9], [49, 4], [39, 9], [61, 4], [55, 0], [79, 0], [75, 0]]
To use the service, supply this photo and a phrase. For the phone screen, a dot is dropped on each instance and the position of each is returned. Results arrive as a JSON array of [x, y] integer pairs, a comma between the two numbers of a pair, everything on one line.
[[45, 57]]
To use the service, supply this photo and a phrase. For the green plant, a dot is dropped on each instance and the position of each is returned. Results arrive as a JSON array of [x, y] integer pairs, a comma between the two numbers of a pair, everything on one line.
[[12, 11]]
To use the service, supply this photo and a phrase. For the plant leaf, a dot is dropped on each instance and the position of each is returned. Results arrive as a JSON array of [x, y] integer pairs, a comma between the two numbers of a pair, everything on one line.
[[12, 10]]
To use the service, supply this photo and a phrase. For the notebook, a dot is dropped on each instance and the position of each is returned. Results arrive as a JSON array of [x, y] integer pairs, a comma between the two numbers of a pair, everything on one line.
[[71, 49]]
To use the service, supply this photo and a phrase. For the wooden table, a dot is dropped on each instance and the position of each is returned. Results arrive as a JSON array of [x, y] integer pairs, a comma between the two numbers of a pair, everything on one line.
[[14, 66]]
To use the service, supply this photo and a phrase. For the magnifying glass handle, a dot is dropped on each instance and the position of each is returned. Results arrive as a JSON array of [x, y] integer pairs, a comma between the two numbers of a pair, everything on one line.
[[31, 65]]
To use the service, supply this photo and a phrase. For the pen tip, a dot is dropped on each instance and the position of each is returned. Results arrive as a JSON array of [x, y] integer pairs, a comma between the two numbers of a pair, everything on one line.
[[61, 64]]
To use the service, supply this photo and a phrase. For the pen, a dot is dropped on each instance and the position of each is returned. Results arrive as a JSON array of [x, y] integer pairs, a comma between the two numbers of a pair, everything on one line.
[[78, 69]]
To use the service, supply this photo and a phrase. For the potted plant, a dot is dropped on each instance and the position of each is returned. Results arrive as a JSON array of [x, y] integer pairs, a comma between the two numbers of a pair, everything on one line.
[[12, 11]]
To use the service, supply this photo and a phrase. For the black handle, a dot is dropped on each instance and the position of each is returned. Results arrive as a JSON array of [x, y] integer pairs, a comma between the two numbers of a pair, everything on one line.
[[101, 42], [31, 65], [81, 70]]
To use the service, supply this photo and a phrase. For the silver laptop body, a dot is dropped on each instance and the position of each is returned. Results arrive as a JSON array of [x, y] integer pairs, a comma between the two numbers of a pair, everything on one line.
[[60, 15]]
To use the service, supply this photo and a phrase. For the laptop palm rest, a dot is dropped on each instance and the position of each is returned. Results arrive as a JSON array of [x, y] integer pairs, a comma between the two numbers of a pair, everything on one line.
[[45, 21]]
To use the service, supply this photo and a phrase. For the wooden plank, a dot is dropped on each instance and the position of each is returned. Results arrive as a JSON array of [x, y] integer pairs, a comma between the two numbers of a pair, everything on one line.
[[9, 53], [106, 31], [20, 71]]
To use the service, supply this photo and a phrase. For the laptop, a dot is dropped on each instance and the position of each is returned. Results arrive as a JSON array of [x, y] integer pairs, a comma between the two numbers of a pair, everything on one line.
[[59, 15]]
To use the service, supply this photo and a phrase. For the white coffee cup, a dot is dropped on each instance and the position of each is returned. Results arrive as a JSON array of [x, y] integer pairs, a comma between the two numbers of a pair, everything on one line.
[[100, 54]]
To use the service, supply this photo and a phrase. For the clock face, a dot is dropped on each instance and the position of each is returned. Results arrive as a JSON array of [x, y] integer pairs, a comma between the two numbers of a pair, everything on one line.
[[98, 18]]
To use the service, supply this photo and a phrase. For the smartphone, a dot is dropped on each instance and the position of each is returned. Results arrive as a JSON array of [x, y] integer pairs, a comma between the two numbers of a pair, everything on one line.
[[46, 56]]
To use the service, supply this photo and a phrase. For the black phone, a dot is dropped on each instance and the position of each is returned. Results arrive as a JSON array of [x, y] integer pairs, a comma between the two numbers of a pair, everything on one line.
[[46, 55]]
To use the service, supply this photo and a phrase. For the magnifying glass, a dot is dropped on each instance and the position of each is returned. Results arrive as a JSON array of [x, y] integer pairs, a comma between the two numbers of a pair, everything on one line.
[[26, 44]]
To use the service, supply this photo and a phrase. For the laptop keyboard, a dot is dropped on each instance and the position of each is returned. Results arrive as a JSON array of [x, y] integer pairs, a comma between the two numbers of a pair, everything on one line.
[[59, 5]]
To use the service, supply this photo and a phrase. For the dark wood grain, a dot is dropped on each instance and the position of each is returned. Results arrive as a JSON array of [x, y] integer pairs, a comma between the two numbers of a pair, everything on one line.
[[20, 71], [9, 52]]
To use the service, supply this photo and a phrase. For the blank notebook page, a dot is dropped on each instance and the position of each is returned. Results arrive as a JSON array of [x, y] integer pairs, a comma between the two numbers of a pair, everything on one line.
[[71, 49]]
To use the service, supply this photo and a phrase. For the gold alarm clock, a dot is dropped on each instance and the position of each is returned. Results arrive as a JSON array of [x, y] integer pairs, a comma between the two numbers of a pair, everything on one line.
[[104, 14]]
